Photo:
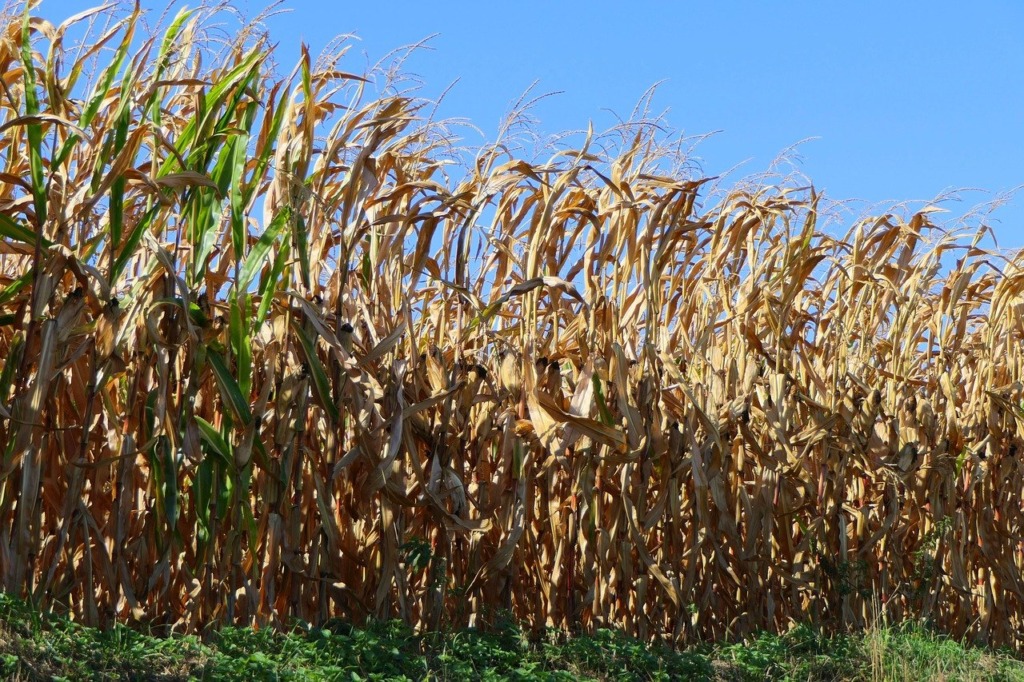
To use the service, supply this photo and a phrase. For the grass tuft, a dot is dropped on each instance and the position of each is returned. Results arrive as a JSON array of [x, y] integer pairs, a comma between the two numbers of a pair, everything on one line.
[[36, 646]]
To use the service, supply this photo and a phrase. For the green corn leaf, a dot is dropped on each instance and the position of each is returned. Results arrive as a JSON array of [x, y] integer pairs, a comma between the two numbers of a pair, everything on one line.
[[106, 81], [163, 59], [269, 146], [319, 374], [34, 131], [165, 478], [205, 215], [262, 458], [268, 287], [204, 134], [101, 90], [216, 443], [202, 488], [367, 272], [225, 493], [132, 242], [258, 255], [117, 192], [229, 389], [241, 344], [170, 485], [11, 290], [235, 194], [14, 230], [307, 76], [602, 406], [302, 244]]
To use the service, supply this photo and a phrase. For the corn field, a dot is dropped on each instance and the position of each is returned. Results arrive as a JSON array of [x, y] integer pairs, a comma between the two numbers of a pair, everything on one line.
[[274, 347]]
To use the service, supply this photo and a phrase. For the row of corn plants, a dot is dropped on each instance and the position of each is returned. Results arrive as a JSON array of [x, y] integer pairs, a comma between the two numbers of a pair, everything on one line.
[[275, 347]]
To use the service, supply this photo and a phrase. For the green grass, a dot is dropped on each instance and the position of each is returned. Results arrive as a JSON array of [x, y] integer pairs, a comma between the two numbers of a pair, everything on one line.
[[35, 646]]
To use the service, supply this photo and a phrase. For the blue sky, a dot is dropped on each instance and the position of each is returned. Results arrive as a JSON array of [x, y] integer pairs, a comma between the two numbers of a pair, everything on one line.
[[906, 99]]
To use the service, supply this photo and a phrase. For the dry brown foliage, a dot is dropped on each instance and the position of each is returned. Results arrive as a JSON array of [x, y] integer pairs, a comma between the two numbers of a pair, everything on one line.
[[265, 357]]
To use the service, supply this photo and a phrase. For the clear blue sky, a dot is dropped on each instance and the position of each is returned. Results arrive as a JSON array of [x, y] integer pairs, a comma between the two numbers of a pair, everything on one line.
[[907, 99]]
